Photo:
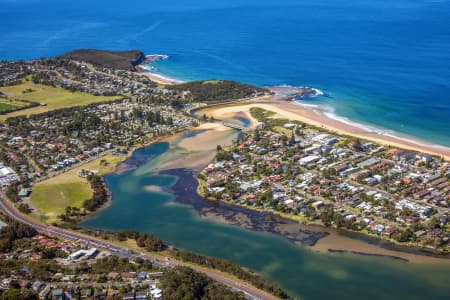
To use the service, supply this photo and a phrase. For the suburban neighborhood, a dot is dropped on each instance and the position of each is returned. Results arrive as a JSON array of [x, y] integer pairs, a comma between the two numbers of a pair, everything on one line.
[[312, 175]]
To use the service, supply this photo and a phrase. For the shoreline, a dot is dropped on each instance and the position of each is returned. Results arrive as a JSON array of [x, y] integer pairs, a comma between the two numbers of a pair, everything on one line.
[[160, 79], [114, 170], [291, 228], [145, 69], [357, 244], [308, 114], [285, 108], [382, 247], [117, 170]]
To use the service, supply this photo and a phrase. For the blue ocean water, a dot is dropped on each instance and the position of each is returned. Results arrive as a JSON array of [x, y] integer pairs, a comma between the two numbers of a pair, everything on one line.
[[383, 63]]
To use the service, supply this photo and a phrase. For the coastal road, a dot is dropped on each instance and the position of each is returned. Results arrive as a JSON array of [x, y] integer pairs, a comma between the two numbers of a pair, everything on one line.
[[249, 291]]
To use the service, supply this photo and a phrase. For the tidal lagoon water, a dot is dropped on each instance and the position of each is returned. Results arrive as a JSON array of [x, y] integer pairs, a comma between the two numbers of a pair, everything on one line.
[[144, 199]]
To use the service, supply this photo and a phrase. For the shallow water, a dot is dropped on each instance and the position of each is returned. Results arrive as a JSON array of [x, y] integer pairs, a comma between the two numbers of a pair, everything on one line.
[[300, 271]]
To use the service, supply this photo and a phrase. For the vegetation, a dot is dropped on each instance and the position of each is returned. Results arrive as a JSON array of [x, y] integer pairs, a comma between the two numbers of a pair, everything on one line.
[[10, 105], [275, 124], [52, 197], [188, 284], [218, 90], [142, 240], [50, 97], [17, 293], [119, 60], [100, 195], [42, 269], [149, 242], [12, 232], [113, 264], [232, 268]]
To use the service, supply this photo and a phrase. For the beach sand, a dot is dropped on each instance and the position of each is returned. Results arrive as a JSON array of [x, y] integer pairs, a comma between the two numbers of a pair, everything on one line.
[[157, 78], [210, 135], [293, 111], [336, 241], [199, 149]]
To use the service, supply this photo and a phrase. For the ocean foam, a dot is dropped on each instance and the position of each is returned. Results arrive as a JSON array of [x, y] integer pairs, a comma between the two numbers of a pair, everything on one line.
[[161, 56], [164, 78], [381, 131], [153, 71]]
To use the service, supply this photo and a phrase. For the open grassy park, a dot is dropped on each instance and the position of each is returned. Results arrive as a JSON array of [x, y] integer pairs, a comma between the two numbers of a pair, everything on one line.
[[9, 104], [51, 98], [51, 197]]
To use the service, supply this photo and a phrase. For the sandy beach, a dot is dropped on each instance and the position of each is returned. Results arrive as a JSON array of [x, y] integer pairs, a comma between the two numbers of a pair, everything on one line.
[[335, 241], [160, 79], [293, 111]]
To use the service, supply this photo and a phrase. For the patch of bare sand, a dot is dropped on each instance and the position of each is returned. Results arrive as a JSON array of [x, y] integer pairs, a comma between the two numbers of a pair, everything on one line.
[[195, 161], [197, 151], [153, 188], [230, 112], [335, 241], [214, 134]]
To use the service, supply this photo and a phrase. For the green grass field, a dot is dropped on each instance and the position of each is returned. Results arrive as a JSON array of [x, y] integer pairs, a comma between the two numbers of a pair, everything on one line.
[[54, 98], [52, 199], [7, 104], [52, 196]]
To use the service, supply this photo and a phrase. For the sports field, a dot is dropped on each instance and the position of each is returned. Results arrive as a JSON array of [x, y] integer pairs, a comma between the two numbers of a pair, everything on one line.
[[52, 196]]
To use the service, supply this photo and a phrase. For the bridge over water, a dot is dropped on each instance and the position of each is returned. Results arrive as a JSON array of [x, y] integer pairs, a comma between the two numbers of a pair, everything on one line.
[[233, 125]]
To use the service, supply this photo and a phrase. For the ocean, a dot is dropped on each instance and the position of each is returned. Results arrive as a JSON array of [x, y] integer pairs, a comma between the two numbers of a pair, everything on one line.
[[383, 64]]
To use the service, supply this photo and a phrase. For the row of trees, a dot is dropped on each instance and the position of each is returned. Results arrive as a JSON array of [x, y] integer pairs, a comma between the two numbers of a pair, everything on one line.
[[149, 242], [100, 195], [234, 269], [143, 240], [12, 232], [188, 284]]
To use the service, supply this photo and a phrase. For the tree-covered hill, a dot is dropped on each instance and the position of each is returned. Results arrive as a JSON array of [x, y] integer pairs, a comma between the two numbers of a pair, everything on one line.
[[120, 60], [218, 90]]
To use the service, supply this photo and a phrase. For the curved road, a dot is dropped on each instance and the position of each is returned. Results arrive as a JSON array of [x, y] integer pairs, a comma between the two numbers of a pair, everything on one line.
[[250, 292]]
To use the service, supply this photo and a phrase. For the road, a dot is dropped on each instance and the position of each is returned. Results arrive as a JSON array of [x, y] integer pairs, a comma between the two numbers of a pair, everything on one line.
[[249, 291]]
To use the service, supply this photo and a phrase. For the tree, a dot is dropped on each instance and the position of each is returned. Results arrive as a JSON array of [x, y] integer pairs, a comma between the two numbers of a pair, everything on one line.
[[186, 283]]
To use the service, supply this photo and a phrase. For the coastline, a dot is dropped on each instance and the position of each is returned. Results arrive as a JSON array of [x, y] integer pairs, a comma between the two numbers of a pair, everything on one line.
[[284, 108], [160, 79], [146, 69], [334, 242]]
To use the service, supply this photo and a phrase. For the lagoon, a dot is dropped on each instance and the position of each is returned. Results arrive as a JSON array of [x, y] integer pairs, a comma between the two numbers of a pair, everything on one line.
[[303, 273]]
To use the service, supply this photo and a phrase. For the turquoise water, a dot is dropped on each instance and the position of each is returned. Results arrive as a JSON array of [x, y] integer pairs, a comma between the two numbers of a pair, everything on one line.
[[379, 62], [305, 274]]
